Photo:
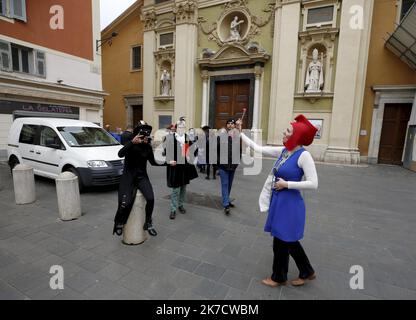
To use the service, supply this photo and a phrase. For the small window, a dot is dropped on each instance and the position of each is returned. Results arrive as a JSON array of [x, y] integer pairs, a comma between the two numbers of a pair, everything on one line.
[[28, 134], [166, 39], [136, 58], [323, 15], [13, 9], [49, 137], [164, 121], [22, 59]]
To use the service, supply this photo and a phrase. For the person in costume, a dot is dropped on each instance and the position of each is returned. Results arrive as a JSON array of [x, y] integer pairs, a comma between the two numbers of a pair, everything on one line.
[[136, 152], [282, 198], [181, 171]]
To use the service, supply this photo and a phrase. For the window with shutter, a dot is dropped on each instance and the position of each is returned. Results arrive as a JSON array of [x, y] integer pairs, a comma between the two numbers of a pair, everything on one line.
[[18, 9], [5, 56], [40, 60], [137, 58]]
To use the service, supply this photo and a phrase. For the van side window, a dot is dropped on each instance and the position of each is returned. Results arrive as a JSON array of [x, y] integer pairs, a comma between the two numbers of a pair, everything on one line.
[[28, 134], [49, 137]]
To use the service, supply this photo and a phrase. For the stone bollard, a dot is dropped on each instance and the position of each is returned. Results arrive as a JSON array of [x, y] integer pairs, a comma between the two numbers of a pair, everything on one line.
[[69, 200], [24, 184], [133, 233]]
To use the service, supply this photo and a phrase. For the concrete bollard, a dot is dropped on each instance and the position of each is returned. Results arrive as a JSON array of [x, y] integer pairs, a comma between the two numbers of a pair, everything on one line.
[[133, 233], [69, 200], [24, 184]]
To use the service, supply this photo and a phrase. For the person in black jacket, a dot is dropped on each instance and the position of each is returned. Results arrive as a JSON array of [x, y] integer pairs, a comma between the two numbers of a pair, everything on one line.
[[229, 155], [136, 153], [127, 135]]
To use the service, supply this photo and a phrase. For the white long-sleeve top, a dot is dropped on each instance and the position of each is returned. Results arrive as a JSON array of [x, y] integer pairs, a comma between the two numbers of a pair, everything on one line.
[[305, 162]]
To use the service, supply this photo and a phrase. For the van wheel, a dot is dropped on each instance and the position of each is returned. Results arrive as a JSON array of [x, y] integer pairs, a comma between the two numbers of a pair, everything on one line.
[[75, 172], [13, 162]]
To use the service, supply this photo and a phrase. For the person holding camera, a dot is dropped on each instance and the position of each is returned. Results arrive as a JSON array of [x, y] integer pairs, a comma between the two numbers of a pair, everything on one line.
[[136, 153]]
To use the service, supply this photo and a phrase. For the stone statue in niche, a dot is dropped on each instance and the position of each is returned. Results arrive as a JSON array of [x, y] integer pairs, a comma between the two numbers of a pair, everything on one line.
[[165, 83], [235, 30], [315, 73]]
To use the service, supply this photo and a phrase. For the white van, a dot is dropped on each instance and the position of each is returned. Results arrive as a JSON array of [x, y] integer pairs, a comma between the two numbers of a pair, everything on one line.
[[52, 146]]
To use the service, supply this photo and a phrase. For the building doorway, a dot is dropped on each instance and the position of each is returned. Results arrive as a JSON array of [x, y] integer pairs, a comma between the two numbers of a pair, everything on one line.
[[393, 134], [137, 114], [231, 97]]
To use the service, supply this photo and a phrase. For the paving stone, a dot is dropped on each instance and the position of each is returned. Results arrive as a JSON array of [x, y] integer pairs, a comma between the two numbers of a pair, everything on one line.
[[94, 263], [186, 264], [210, 271], [114, 271], [236, 280], [211, 290], [7, 292]]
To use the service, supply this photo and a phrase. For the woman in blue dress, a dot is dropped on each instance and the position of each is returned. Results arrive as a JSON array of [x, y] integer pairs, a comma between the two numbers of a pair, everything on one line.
[[284, 202]]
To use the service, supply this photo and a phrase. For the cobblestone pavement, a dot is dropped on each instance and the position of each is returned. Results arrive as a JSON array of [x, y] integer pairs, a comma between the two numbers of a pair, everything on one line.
[[359, 216]]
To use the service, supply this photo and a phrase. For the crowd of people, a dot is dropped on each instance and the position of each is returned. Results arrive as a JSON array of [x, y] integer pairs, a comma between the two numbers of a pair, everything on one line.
[[220, 151]]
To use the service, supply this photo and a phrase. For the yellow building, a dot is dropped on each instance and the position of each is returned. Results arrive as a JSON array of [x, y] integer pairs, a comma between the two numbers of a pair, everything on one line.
[[123, 69], [389, 113]]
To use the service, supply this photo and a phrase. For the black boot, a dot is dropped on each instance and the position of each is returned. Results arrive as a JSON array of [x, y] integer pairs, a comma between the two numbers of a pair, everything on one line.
[[118, 229], [150, 229]]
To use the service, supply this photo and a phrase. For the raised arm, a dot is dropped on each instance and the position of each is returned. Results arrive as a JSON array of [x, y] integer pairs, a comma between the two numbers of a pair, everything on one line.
[[306, 162], [123, 151], [265, 150]]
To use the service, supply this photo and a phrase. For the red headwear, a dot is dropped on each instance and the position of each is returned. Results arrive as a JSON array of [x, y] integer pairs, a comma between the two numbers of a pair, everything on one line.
[[303, 133]]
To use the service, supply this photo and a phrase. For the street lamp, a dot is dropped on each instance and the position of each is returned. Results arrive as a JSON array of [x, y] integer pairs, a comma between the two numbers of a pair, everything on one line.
[[99, 43]]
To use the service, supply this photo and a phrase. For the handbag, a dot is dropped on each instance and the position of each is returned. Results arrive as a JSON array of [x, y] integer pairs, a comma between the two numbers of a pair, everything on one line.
[[266, 192]]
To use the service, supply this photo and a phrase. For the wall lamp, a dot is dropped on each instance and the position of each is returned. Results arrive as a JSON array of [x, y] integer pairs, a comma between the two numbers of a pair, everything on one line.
[[100, 42]]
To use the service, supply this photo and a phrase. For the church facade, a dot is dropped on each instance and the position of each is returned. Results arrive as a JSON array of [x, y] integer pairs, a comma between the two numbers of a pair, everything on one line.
[[209, 60]]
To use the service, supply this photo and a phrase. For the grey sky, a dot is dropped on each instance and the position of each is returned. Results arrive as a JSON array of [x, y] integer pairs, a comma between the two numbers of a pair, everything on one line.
[[111, 9]]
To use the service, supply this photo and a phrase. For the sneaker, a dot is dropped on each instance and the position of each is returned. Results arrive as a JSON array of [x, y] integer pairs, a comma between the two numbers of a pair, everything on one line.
[[182, 210], [231, 205], [172, 215], [227, 210]]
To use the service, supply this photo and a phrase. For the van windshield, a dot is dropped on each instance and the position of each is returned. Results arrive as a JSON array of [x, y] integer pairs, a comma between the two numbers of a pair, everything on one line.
[[87, 137]]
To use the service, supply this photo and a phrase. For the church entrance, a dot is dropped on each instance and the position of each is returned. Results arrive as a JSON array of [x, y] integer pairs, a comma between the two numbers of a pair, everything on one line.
[[393, 135], [229, 97]]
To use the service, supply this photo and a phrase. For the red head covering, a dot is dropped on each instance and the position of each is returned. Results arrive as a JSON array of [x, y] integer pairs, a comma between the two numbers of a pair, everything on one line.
[[303, 133]]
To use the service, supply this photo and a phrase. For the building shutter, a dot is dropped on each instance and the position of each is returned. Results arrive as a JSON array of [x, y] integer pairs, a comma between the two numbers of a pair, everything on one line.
[[18, 9], [5, 56], [40, 61]]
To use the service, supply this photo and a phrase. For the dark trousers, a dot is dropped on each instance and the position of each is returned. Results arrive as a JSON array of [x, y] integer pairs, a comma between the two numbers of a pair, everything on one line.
[[127, 194], [282, 250]]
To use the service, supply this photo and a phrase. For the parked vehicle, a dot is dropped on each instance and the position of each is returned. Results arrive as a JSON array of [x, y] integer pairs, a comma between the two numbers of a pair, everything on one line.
[[52, 146]]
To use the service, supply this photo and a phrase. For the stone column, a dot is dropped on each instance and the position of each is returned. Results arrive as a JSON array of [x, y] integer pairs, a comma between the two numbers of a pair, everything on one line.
[[185, 62], [149, 47], [285, 53], [24, 184], [350, 79], [133, 233], [205, 118], [69, 200], [256, 109]]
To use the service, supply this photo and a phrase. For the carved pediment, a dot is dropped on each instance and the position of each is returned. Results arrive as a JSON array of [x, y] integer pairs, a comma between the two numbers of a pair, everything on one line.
[[233, 54]]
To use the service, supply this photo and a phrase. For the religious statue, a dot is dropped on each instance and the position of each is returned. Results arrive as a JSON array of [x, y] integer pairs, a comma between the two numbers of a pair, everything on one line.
[[165, 82], [234, 31], [315, 73]]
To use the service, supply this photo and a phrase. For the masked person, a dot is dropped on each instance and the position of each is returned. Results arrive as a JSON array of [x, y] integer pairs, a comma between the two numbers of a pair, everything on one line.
[[181, 171], [137, 152], [229, 155], [282, 198]]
